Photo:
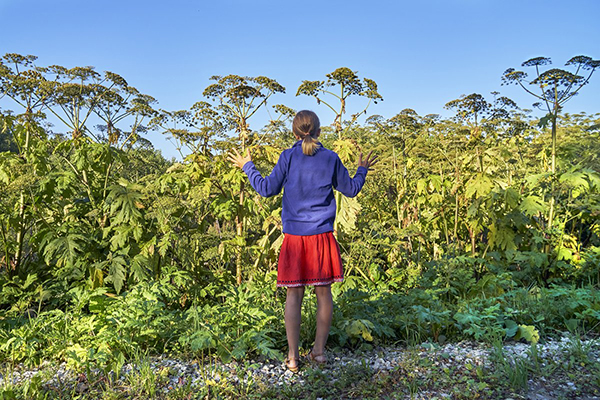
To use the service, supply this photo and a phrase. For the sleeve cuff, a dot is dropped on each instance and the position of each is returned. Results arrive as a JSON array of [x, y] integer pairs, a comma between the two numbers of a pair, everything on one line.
[[363, 168], [248, 166]]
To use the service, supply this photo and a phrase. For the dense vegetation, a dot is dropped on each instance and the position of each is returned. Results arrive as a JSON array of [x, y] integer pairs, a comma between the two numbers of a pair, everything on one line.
[[483, 225]]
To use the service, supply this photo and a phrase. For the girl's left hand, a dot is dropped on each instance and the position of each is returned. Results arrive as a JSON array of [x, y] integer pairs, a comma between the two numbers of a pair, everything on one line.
[[239, 160], [368, 162]]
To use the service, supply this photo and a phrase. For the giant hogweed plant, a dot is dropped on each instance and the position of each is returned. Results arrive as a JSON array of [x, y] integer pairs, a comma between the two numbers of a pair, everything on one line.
[[553, 88], [72, 96], [340, 85]]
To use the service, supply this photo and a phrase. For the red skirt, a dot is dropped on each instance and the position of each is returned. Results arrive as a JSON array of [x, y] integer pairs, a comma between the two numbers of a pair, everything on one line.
[[309, 260]]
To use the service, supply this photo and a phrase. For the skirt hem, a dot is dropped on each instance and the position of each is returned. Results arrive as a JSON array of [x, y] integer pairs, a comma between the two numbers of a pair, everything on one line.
[[322, 283]]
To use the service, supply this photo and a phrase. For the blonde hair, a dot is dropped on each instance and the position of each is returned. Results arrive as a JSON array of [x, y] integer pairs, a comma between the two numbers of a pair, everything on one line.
[[306, 126]]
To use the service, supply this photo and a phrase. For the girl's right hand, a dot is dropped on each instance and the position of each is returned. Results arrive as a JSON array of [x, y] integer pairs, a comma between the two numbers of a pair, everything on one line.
[[239, 160], [368, 162]]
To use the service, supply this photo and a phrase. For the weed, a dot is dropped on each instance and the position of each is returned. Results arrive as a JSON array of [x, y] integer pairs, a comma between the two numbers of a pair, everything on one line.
[[578, 350], [514, 370]]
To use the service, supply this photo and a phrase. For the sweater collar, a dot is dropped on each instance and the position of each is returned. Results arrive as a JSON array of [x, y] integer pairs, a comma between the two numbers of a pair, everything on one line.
[[299, 143]]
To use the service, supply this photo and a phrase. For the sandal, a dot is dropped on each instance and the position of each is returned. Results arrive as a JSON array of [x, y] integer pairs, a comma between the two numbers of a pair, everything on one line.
[[293, 369], [317, 358]]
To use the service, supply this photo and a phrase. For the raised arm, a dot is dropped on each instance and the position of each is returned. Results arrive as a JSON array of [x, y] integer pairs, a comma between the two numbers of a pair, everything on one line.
[[266, 187]]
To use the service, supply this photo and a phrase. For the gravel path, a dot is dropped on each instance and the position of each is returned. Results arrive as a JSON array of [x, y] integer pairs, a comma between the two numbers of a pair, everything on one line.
[[178, 372]]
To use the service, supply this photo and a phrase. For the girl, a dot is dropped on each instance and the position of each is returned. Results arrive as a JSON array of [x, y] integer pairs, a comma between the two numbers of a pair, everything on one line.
[[310, 255]]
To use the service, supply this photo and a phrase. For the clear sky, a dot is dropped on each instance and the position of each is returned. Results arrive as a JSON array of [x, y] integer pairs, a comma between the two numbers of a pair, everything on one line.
[[422, 54]]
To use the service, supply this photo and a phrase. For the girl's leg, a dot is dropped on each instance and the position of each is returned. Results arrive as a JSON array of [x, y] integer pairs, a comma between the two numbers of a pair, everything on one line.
[[324, 315], [293, 308]]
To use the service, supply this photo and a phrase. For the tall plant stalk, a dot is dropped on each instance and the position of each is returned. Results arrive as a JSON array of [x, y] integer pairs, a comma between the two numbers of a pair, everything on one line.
[[556, 87]]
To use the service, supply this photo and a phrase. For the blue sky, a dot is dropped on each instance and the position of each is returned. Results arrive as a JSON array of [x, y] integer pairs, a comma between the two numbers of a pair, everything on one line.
[[422, 53]]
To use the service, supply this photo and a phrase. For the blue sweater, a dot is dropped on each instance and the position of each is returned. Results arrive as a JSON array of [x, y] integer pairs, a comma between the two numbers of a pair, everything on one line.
[[308, 203]]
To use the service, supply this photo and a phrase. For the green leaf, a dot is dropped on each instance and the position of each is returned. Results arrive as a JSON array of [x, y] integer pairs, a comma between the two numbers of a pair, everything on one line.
[[532, 205], [564, 254], [199, 340], [346, 149], [511, 328], [421, 186], [535, 179], [480, 185], [594, 178], [116, 272], [64, 249], [529, 333], [360, 327], [348, 209], [99, 303], [125, 202], [545, 120], [120, 237], [9, 163], [574, 179], [502, 237], [512, 197], [435, 182], [140, 267], [467, 318]]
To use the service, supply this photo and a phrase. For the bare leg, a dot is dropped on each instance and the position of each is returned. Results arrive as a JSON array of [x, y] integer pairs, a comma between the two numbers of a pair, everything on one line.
[[293, 309], [324, 315]]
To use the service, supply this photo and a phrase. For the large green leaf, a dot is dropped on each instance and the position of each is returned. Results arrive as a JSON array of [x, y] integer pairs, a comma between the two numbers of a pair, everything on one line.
[[511, 197], [360, 328], [574, 179], [117, 269], [64, 249], [125, 202], [532, 205], [502, 237], [348, 209], [346, 149], [529, 333], [479, 185], [511, 328]]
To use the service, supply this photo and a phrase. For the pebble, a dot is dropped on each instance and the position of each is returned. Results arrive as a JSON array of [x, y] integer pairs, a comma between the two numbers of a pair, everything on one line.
[[378, 359]]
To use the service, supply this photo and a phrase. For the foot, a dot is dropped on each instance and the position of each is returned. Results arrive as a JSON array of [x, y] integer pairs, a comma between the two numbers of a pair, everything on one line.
[[317, 358], [292, 364]]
